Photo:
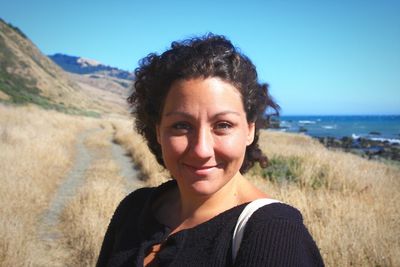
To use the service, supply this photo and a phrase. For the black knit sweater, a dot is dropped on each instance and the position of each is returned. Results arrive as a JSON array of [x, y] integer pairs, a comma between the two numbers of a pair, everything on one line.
[[274, 236]]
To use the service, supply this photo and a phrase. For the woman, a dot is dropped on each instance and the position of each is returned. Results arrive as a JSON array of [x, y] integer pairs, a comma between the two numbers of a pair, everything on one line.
[[199, 106]]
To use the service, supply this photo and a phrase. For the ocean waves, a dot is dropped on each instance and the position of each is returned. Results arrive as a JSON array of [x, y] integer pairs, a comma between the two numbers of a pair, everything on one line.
[[377, 128]]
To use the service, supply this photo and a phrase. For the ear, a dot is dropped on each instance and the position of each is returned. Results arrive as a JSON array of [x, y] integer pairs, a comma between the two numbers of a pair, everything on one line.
[[250, 133], [158, 133]]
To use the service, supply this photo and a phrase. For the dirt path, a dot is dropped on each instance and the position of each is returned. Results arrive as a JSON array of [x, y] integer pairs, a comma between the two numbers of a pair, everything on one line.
[[127, 167], [76, 178], [67, 189]]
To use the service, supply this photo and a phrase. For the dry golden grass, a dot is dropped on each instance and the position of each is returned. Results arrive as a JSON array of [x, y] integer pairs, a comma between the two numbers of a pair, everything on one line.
[[353, 214], [37, 149], [86, 217], [152, 172], [4, 96], [100, 140]]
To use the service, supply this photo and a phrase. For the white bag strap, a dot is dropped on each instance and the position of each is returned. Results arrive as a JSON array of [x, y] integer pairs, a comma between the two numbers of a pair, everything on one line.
[[242, 221]]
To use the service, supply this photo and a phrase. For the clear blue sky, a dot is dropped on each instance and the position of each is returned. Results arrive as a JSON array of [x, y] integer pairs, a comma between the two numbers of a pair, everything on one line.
[[319, 57]]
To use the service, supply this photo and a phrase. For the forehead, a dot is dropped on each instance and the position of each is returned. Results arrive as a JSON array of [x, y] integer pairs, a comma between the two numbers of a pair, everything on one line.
[[200, 90]]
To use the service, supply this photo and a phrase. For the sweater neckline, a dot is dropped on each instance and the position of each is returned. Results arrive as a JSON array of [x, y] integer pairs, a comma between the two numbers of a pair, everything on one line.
[[150, 225]]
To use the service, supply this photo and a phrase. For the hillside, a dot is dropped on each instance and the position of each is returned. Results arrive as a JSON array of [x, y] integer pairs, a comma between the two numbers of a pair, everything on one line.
[[109, 84], [28, 76], [81, 65]]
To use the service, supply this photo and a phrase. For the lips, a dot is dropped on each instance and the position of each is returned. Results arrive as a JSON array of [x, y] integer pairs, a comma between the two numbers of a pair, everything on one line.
[[201, 170]]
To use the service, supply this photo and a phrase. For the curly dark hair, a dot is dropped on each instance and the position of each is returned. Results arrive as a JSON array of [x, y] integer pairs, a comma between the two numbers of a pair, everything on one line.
[[207, 56]]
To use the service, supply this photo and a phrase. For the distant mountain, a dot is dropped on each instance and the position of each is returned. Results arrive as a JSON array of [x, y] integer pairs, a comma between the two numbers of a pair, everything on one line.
[[28, 76], [81, 65]]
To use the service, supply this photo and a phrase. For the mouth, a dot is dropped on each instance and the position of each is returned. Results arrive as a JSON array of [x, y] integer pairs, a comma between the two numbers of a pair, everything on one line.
[[202, 170]]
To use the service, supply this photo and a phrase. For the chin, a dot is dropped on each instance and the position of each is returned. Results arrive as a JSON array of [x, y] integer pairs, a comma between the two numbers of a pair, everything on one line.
[[204, 185], [204, 188]]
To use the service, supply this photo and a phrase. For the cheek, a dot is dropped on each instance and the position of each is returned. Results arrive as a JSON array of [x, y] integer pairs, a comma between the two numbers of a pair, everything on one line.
[[233, 147], [173, 147]]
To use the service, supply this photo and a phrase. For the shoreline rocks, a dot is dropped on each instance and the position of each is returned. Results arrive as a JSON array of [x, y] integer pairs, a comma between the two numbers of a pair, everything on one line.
[[371, 149]]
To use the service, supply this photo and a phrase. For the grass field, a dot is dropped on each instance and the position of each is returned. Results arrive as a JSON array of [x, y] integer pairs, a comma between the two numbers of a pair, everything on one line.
[[36, 153], [349, 204]]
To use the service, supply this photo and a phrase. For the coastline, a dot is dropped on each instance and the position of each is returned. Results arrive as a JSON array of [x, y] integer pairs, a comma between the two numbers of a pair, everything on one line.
[[364, 147], [374, 137]]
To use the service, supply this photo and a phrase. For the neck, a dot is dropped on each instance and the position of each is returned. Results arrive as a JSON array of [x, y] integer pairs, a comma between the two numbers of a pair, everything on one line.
[[195, 209]]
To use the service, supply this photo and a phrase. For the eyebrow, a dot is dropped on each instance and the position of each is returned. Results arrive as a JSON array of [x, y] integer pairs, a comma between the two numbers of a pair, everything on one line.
[[184, 114]]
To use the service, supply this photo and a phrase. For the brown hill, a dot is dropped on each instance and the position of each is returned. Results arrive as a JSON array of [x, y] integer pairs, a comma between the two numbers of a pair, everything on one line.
[[28, 76]]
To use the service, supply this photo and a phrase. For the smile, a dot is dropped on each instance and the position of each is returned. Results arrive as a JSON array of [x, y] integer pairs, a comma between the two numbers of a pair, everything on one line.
[[202, 170]]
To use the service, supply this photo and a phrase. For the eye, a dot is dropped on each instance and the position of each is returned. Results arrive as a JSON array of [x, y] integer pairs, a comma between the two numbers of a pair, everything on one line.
[[223, 127], [181, 127]]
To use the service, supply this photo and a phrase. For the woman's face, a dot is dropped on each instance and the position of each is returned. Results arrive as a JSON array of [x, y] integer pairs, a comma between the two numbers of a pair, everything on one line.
[[203, 134]]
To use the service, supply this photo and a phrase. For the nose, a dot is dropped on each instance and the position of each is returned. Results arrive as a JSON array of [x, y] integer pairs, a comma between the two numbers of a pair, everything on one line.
[[202, 144]]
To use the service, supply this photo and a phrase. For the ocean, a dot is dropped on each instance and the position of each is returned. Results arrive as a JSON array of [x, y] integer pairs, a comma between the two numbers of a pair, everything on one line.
[[374, 127]]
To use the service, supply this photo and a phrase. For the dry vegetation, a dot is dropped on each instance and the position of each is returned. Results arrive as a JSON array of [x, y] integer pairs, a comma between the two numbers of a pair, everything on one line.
[[86, 217], [152, 172], [37, 149], [349, 204]]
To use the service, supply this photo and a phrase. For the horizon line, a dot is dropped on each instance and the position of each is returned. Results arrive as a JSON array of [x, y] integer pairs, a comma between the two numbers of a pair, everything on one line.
[[309, 115]]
